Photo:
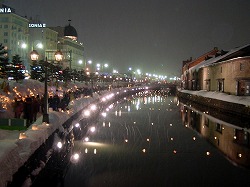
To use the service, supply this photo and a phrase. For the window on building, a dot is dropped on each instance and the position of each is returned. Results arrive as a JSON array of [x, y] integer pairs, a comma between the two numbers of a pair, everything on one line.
[[219, 128], [207, 84], [220, 85], [206, 122], [5, 33], [242, 67], [221, 69], [5, 41], [6, 26]]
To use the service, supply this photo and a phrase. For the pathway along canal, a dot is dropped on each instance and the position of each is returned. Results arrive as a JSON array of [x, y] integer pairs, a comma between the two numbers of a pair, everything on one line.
[[153, 140]]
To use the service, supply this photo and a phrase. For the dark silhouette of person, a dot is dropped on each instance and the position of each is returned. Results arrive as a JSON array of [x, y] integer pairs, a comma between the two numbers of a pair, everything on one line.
[[55, 102], [28, 112], [35, 108]]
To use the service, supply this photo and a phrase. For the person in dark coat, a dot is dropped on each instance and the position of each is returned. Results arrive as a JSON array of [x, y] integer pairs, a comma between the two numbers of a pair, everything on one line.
[[28, 112], [55, 102], [50, 101], [35, 108], [19, 109], [42, 104]]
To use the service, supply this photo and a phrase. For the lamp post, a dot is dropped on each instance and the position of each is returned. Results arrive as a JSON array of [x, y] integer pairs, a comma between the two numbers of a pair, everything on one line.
[[34, 57]]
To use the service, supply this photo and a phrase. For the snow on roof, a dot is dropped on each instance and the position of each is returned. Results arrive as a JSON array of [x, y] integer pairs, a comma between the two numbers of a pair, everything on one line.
[[216, 59]]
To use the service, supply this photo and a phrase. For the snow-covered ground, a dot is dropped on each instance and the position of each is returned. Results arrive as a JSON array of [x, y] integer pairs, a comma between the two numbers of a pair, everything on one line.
[[15, 146], [244, 100]]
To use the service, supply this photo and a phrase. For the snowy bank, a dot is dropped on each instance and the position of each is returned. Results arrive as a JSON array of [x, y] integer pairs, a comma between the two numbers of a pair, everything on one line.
[[244, 100], [16, 147]]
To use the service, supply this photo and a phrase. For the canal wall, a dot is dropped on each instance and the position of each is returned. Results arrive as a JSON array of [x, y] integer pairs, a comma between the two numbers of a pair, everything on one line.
[[232, 108]]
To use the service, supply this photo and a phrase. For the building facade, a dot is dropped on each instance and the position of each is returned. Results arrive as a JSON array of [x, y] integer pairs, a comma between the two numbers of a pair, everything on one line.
[[227, 72], [72, 49], [230, 76], [189, 73], [42, 38], [14, 33], [22, 35]]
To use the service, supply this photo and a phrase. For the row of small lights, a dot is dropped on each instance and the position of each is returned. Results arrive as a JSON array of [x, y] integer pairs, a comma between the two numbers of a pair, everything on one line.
[[98, 65]]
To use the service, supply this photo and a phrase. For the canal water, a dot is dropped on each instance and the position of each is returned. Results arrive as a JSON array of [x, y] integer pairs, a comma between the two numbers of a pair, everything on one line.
[[152, 139]]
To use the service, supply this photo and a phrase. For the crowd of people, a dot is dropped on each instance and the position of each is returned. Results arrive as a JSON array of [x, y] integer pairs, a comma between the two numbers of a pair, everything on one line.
[[30, 107]]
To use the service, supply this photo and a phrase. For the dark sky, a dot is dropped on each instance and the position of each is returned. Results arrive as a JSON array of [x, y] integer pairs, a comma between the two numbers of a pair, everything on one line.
[[153, 35]]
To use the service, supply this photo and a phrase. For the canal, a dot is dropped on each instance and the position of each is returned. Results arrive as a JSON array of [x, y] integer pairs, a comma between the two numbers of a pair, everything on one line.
[[152, 139]]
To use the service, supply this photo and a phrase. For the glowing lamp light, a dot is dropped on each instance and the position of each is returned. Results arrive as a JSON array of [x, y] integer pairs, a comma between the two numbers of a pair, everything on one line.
[[86, 139], [24, 45], [58, 56], [144, 150], [77, 125], [86, 113], [59, 145], [75, 158], [22, 136], [34, 55], [92, 129], [39, 45], [93, 107], [34, 127]]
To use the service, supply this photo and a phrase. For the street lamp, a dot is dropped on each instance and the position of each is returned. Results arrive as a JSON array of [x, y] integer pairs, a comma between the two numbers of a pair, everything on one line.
[[34, 57]]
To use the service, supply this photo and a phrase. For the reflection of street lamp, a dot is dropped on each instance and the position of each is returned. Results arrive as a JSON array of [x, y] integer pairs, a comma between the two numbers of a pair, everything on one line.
[[34, 57]]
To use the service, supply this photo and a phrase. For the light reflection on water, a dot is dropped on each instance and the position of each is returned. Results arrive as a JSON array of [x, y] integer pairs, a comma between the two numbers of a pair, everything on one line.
[[163, 143], [232, 140]]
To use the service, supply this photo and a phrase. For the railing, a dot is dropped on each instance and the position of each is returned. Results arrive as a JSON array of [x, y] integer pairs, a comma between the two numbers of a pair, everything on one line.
[[12, 122]]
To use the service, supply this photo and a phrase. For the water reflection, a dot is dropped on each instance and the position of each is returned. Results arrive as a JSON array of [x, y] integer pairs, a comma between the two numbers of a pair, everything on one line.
[[227, 133]]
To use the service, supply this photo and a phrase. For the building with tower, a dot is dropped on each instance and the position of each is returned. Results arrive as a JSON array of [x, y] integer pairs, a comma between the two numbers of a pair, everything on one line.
[[72, 49]]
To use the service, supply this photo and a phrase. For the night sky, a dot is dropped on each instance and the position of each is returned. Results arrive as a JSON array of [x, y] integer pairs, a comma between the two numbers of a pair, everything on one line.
[[152, 35]]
